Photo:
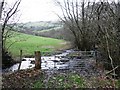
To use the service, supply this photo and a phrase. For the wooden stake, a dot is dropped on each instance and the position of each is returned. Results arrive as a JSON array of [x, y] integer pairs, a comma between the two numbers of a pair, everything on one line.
[[37, 60], [20, 60]]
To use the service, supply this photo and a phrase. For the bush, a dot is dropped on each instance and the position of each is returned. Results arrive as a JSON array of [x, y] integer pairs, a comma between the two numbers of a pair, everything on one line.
[[7, 60]]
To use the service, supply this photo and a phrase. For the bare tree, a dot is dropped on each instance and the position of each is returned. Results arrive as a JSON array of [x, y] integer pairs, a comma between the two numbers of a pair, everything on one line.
[[95, 23], [75, 17], [1, 7], [107, 27], [6, 16]]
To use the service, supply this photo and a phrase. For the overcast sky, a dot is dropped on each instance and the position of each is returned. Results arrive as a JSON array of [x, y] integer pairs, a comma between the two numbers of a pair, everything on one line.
[[38, 10]]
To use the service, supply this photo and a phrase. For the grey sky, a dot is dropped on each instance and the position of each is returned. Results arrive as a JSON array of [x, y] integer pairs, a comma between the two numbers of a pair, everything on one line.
[[38, 10]]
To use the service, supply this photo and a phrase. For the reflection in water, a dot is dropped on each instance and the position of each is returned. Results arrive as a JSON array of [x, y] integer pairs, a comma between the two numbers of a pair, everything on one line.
[[48, 62], [58, 62]]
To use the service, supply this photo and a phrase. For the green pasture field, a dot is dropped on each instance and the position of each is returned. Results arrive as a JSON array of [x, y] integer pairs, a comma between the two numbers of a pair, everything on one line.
[[30, 43]]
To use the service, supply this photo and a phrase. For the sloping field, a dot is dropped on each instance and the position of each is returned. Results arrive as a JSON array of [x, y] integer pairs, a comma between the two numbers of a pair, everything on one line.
[[30, 43]]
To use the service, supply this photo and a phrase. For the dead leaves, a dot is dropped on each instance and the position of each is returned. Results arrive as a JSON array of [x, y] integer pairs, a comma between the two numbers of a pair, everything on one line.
[[22, 78]]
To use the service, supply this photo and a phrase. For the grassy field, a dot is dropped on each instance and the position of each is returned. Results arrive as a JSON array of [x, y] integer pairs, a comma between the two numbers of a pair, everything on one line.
[[30, 43]]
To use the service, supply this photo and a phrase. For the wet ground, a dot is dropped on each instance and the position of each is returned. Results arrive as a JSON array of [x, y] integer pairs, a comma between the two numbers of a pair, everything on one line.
[[70, 60], [81, 62]]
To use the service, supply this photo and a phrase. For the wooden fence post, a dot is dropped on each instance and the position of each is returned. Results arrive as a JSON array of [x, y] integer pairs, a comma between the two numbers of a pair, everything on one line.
[[20, 60], [37, 60]]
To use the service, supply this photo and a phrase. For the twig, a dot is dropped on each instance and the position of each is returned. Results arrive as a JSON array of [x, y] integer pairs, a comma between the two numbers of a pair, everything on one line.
[[112, 70]]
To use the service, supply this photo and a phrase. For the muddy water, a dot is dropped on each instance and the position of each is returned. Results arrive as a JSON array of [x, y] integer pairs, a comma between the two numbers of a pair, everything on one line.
[[57, 62], [48, 62]]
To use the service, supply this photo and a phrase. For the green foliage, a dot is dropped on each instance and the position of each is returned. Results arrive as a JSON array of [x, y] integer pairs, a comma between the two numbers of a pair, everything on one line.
[[30, 43], [62, 81], [118, 83], [39, 83]]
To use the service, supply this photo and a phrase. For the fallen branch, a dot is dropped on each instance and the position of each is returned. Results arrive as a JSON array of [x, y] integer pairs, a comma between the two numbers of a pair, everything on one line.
[[112, 70]]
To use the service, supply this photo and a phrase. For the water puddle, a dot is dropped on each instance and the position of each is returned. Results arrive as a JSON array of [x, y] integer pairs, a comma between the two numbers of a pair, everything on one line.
[[59, 62]]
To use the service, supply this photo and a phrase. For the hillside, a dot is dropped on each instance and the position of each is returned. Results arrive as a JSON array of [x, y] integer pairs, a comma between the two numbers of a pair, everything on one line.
[[30, 43], [45, 29], [38, 26]]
